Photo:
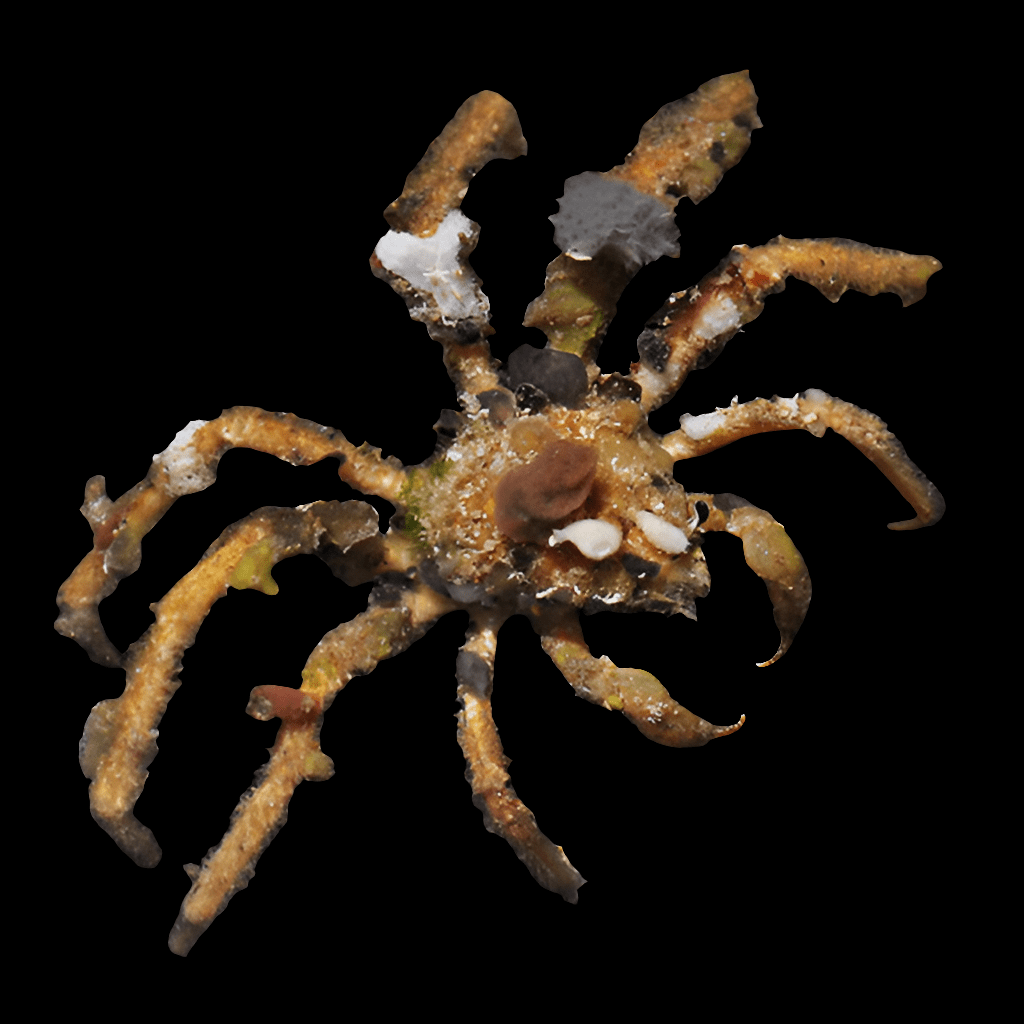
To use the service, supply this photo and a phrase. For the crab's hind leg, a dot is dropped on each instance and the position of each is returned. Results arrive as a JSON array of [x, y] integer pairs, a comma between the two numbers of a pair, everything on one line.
[[504, 813], [119, 742], [395, 619], [637, 694], [768, 551]]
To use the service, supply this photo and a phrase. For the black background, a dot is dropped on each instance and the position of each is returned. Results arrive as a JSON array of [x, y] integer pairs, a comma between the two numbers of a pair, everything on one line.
[[207, 237]]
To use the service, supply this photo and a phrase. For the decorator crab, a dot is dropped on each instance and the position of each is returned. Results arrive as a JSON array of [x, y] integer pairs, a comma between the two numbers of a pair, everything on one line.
[[548, 494]]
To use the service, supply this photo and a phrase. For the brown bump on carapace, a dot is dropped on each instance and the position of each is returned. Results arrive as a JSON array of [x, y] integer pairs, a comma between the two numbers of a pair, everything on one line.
[[556, 483]]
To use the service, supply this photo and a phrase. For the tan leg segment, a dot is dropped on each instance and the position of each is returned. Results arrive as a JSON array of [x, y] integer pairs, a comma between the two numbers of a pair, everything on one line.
[[694, 325], [685, 149], [486, 127], [814, 411], [353, 648], [637, 694], [119, 741], [504, 813], [188, 465], [770, 553]]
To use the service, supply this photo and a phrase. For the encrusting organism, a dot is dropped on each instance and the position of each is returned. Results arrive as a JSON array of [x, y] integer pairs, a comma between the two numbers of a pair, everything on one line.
[[548, 493]]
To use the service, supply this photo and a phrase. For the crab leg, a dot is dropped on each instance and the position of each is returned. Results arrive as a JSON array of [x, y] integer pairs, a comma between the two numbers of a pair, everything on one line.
[[119, 741], [424, 255], [391, 623], [814, 411], [504, 813], [611, 223], [769, 552], [189, 465], [693, 326], [637, 694]]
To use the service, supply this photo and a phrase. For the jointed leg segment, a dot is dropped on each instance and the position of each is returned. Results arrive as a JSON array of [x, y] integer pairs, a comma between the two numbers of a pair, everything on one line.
[[693, 326], [353, 648], [814, 411], [768, 551], [637, 694], [504, 813], [188, 465], [119, 740]]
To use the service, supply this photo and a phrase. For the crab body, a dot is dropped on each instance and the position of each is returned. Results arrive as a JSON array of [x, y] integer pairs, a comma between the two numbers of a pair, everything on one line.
[[472, 486], [549, 494]]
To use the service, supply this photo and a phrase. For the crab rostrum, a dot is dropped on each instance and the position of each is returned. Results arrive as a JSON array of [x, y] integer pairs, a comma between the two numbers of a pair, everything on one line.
[[548, 493]]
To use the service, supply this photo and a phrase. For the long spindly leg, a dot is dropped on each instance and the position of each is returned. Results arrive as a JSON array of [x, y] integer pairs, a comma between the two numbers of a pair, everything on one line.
[[119, 741], [693, 326], [814, 411], [768, 551], [394, 620], [611, 223], [189, 465], [637, 694], [504, 813], [424, 257]]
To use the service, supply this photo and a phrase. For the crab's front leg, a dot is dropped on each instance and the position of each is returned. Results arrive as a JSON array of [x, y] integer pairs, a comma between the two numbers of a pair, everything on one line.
[[504, 813], [768, 551], [637, 694]]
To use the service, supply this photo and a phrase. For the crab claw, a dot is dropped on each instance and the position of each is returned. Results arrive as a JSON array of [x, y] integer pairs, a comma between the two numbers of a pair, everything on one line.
[[637, 694], [773, 556]]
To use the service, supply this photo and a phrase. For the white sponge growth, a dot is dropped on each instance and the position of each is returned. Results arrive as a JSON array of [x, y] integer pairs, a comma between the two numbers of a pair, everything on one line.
[[432, 265], [662, 534], [699, 427], [187, 471], [595, 538]]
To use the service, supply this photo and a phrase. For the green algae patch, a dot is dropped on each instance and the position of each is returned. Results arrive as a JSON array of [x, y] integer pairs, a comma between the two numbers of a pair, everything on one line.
[[568, 316], [253, 569], [415, 496]]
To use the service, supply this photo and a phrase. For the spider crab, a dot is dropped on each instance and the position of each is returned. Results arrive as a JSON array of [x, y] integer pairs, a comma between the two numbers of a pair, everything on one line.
[[548, 493]]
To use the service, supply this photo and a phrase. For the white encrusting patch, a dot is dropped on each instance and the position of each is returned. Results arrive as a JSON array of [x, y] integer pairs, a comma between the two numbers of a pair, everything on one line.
[[662, 534], [186, 471], [595, 538], [432, 265], [699, 427], [718, 316]]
